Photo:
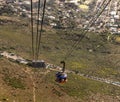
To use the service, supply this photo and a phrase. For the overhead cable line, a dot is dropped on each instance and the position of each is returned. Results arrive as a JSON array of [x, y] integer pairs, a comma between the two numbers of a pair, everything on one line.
[[97, 12], [38, 22], [99, 6], [92, 19], [39, 37], [86, 31], [32, 29]]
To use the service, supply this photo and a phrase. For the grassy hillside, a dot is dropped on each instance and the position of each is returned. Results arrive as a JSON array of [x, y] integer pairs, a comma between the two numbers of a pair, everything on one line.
[[94, 56], [46, 89], [16, 83]]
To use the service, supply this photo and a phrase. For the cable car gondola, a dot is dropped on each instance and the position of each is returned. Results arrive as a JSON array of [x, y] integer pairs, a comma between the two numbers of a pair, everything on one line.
[[61, 76]]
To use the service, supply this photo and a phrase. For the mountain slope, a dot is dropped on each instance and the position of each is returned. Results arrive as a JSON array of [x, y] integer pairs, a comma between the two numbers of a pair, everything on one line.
[[45, 89], [94, 52], [24, 90], [18, 81]]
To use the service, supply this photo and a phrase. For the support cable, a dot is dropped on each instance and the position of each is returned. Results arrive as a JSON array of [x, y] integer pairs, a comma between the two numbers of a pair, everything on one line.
[[32, 32], [39, 37], [38, 22], [85, 32]]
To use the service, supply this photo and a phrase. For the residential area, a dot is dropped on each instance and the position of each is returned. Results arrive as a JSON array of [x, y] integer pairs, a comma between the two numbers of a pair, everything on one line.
[[69, 13]]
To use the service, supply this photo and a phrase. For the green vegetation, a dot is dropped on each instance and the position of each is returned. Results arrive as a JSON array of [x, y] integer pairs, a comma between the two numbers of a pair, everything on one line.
[[10, 75], [86, 87], [92, 53], [82, 88], [14, 82], [0, 56], [94, 56]]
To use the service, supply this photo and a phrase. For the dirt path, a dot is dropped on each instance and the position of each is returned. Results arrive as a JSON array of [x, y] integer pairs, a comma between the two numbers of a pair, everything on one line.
[[34, 85], [30, 73]]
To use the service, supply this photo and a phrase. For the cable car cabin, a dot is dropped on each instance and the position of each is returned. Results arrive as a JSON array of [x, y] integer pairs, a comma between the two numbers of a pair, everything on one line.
[[39, 64], [61, 77]]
